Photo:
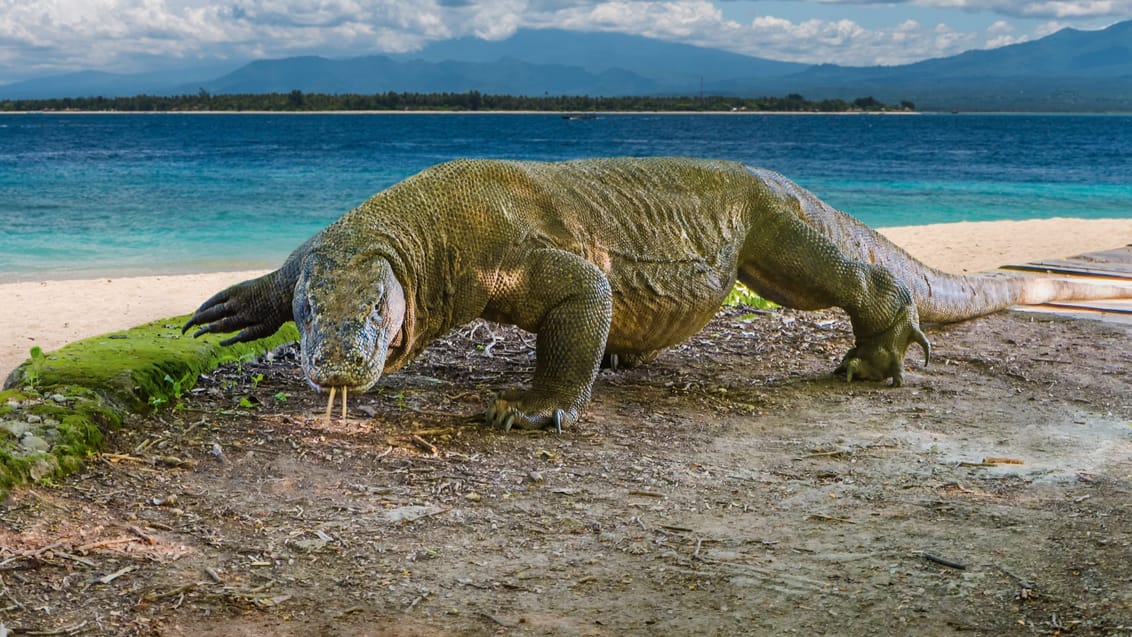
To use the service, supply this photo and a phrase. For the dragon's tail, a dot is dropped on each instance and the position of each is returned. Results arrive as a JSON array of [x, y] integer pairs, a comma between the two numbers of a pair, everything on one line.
[[946, 298], [940, 297]]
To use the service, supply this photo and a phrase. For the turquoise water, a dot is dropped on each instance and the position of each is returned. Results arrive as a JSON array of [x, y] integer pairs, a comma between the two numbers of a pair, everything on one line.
[[94, 195]]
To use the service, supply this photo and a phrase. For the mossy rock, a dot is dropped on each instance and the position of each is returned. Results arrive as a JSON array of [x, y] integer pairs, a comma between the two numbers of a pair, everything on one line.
[[57, 406]]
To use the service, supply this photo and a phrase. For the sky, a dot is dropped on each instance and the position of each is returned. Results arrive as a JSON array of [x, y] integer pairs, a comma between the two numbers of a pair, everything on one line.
[[47, 37]]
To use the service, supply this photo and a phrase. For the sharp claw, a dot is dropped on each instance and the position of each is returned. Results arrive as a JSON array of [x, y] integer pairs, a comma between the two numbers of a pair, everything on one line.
[[508, 422], [920, 338], [850, 368], [559, 415]]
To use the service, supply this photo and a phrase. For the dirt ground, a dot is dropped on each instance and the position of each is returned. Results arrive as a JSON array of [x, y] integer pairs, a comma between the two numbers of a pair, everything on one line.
[[732, 487]]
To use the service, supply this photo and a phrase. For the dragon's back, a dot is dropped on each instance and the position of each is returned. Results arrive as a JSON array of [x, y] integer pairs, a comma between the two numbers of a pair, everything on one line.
[[666, 232]]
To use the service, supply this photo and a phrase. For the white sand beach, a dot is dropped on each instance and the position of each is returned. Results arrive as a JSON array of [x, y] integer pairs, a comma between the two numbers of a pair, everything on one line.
[[50, 314]]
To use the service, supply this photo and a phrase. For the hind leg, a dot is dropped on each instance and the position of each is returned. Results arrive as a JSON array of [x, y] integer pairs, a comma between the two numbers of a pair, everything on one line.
[[791, 263]]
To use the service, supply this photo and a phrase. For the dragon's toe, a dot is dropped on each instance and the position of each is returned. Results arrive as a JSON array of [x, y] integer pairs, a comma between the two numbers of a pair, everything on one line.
[[881, 356], [520, 410]]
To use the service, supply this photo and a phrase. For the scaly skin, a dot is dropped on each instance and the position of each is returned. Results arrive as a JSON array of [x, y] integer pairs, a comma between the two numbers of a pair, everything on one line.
[[604, 258]]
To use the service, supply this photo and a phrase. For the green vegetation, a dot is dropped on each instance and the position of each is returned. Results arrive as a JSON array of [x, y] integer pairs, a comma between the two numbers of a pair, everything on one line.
[[58, 405], [298, 101], [741, 296]]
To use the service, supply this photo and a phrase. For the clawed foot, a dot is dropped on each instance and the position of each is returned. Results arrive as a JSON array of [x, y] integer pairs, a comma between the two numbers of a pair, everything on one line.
[[520, 410], [881, 356]]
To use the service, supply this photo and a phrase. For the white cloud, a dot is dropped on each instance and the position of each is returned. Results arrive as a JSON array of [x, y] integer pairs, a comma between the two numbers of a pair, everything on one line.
[[124, 35], [1016, 8]]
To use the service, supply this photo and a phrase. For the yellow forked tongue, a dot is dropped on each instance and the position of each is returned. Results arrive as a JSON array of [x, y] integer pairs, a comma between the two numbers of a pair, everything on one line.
[[330, 402]]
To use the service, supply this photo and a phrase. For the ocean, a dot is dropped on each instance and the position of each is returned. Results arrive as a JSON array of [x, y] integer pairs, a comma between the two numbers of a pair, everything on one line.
[[85, 195]]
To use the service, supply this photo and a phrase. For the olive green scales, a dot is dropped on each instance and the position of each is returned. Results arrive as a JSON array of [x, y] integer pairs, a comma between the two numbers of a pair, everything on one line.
[[605, 260]]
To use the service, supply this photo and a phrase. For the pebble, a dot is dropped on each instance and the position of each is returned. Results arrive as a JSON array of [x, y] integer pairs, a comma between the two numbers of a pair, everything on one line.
[[33, 443]]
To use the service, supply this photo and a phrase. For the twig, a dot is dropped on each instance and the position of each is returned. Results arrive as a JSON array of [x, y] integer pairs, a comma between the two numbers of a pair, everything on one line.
[[943, 561], [487, 348], [828, 518], [998, 460], [106, 579], [836, 453], [75, 558], [180, 590], [36, 554], [73, 629], [435, 431], [149, 539], [103, 543], [424, 444], [124, 457], [7, 593]]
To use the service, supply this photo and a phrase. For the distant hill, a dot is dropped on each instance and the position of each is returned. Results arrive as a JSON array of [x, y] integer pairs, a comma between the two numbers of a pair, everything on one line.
[[677, 66], [381, 74], [1068, 70]]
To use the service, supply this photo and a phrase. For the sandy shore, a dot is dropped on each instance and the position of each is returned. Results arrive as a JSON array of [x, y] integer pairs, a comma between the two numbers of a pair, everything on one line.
[[52, 313]]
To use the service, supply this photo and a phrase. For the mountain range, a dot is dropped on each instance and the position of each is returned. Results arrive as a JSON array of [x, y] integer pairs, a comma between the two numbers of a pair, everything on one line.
[[1069, 70]]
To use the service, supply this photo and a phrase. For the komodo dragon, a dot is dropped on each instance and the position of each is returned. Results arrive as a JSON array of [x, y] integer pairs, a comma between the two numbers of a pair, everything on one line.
[[605, 259]]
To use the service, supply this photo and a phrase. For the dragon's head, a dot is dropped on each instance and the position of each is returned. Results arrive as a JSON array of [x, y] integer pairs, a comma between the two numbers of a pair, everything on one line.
[[349, 311]]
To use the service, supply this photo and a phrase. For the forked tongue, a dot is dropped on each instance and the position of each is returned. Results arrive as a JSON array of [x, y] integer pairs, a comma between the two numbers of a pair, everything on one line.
[[330, 402]]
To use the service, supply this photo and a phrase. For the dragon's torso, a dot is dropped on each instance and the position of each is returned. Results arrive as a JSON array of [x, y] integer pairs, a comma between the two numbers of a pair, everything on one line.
[[666, 233]]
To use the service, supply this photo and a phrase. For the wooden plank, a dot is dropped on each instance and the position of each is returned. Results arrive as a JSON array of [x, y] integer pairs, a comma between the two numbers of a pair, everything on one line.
[[1069, 268], [1116, 263], [1096, 306], [1107, 264]]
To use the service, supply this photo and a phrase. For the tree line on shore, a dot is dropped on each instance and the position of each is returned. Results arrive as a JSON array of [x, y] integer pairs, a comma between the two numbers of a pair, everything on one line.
[[298, 101]]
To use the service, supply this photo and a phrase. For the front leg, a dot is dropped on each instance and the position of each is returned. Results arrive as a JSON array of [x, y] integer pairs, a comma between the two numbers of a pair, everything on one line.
[[568, 303], [256, 307]]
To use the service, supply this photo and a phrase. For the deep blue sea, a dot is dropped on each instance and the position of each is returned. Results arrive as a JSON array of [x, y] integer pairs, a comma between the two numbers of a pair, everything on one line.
[[98, 195]]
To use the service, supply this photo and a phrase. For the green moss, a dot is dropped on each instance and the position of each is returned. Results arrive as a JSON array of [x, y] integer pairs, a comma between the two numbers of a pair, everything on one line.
[[129, 368], [57, 406]]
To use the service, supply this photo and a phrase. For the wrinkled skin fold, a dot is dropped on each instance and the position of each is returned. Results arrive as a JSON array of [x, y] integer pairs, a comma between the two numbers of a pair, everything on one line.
[[605, 260]]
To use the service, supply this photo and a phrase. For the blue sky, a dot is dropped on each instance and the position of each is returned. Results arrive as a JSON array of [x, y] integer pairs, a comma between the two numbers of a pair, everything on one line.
[[43, 37]]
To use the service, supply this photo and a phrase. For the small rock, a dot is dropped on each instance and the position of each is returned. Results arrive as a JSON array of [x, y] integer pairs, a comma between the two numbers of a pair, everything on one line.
[[309, 545], [42, 468], [472, 496], [32, 418], [167, 501], [410, 513], [15, 427], [33, 443]]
